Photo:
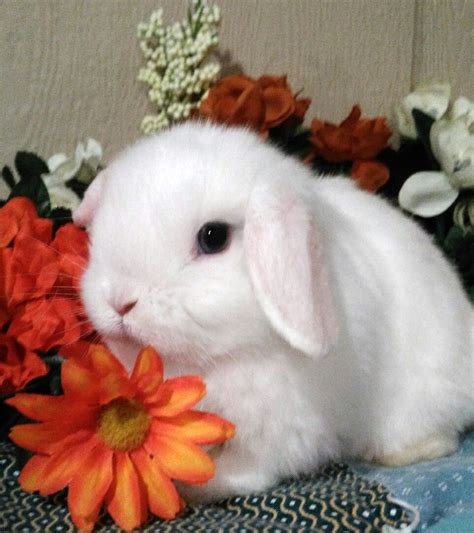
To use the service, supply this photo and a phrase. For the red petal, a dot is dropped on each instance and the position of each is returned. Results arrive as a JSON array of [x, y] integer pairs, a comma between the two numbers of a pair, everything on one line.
[[279, 105], [77, 350], [89, 487], [196, 426], [127, 501], [351, 120], [163, 498], [180, 459], [8, 228], [249, 108], [370, 175], [21, 208], [177, 395]]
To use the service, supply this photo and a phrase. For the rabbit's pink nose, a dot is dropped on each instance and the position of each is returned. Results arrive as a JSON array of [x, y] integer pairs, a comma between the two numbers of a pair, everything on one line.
[[125, 308]]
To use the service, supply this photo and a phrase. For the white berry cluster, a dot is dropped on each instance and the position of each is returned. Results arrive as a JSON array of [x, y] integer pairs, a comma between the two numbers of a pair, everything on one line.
[[178, 66]]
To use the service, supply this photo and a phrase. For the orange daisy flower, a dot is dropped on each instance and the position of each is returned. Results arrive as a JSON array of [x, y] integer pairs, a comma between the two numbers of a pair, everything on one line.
[[118, 440]]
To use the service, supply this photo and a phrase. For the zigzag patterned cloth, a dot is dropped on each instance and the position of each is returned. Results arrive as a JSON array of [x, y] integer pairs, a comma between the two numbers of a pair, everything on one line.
[[335, 499]]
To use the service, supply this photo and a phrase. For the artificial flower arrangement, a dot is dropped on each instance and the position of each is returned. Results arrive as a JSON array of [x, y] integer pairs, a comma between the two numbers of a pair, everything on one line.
[[121, 444], [114, 440]]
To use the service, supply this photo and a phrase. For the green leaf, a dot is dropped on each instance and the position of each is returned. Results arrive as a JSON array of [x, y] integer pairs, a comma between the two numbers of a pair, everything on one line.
[[470, 293], [423, 123], [9, 416], [8, 177], [29, 165], [60, 216], [35, 189], [453, 240]]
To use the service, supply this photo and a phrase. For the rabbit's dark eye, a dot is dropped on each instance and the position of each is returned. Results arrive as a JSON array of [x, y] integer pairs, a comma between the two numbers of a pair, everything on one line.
[[213, 237]]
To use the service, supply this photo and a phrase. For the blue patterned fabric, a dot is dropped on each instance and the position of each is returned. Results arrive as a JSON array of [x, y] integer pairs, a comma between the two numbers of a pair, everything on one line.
[[333, 500], [337, 499], [443, 490]]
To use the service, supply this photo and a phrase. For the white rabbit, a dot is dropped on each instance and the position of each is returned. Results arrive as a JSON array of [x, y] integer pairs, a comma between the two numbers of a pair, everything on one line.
[[325, 323]]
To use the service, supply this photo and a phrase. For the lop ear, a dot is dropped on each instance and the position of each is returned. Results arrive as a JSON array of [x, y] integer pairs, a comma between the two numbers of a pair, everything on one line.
[[284, 254], [84, 214]]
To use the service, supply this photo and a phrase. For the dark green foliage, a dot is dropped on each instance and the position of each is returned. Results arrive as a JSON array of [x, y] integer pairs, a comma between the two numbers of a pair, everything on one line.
[[29, 165], [8, 177], [35, 189]]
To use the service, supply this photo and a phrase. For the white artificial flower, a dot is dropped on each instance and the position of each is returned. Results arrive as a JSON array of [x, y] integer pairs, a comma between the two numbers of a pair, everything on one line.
[[463, 107], [428, 194], [89, 156], [84, 166], [432, 99], [59, 194], [452, 144]]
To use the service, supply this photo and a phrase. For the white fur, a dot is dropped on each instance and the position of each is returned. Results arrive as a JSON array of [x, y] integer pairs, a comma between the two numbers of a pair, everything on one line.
[[398, 373]]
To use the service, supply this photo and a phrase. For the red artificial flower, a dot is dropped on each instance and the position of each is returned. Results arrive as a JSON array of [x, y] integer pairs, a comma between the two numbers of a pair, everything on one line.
[[354, 138], [260, 104], [47, 323], [31, 271], [72, 246], [78, 350], [39, 286], [118, 441], [20, 213], [18, 365], [5, 256]]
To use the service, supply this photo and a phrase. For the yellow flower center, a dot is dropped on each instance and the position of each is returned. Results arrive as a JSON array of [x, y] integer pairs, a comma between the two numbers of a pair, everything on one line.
[[123, 424]]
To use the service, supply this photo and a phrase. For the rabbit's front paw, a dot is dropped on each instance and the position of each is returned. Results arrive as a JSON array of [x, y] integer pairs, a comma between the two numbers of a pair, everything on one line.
[[222, 487]]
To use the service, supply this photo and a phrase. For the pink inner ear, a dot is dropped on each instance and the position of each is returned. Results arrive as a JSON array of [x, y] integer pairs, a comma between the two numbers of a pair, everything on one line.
[[84, 214], [285, 259]]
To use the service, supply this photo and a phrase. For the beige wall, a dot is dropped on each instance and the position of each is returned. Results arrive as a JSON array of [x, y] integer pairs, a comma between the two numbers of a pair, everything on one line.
[[68, 67]]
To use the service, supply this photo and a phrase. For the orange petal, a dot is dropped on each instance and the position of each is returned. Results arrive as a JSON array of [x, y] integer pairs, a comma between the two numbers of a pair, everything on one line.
[[148, 387], [39, 406], [89, 487], [180, 459], [104, 362], [38, 437], [115, 386], [72, 439], [31, 475], [127, 502], [147, 361], [78, 380], [197, 426], [177, 395], [65, 464], [163, 498]]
